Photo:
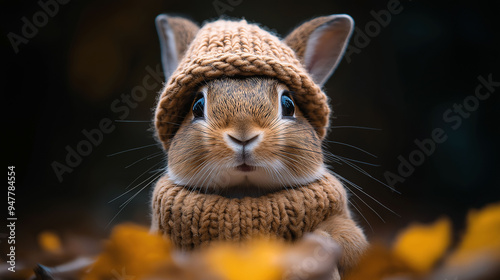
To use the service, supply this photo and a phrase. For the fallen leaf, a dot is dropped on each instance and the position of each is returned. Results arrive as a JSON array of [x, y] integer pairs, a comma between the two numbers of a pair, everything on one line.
[[49, 241], [378, 262], [131, 253], [481, 238], [421, 246], [255, 260]]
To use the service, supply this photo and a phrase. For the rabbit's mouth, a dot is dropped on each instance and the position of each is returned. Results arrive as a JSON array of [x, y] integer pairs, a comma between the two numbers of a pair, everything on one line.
[[245, 168]]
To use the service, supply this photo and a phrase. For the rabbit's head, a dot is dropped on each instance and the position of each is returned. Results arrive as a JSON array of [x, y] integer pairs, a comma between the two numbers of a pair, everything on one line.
[[242, 112]]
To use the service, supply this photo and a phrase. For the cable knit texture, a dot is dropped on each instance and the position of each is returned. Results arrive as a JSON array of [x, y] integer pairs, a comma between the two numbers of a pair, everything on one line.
[[193, 219], [236, 48]]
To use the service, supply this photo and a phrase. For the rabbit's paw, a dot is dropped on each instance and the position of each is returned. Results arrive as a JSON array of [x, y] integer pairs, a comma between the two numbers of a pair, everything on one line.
[[315, 257]]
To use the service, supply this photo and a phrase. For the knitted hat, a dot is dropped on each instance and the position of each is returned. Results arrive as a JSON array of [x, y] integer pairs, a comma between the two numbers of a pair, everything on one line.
[[236, 48]]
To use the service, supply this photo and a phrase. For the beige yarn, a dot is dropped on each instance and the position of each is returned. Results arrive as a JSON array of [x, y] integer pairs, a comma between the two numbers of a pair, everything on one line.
[[193, 219], [236, 48]]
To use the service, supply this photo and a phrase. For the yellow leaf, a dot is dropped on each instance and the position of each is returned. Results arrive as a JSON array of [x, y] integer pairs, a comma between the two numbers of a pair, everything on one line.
[[481, 238], [131, 252], [256, 260], [378, 262], [49, 241], [421, 246]]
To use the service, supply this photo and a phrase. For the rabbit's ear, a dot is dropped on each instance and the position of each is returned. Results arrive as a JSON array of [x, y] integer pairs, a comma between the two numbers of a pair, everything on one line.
[[320, 44], [175, 34]]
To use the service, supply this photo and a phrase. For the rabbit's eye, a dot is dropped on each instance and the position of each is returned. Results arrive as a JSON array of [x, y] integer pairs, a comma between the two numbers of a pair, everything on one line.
[[287, 106], [199, 107]]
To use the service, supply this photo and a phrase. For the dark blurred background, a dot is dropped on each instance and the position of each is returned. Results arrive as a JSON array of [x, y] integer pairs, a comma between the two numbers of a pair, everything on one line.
[[67, 76]]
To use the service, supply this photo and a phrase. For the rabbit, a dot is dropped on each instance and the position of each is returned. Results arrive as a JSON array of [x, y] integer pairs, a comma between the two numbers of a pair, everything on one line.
[[243, 136]]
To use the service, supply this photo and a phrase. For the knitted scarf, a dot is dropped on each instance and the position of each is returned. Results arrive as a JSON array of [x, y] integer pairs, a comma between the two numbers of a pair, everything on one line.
[[193, 219]]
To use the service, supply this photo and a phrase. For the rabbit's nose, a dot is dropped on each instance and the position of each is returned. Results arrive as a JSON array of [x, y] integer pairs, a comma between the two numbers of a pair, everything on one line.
[[247, 142]]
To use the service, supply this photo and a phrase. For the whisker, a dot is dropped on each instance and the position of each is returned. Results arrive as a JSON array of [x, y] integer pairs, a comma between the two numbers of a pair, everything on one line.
[[133, 121], [363, 216], [158, 175], [352, 146], [159, 154], [353, 160], [128, 201], [133, 149], [364, 202], [298, 148], [363, 192], [148, 157], [156, 170], [362, 171], [353, 126], [134, 182]]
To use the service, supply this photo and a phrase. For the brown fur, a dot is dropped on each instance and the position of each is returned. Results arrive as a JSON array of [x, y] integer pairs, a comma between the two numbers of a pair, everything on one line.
[[241, 107], [297, 39], [287, 154], [185, 30]]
